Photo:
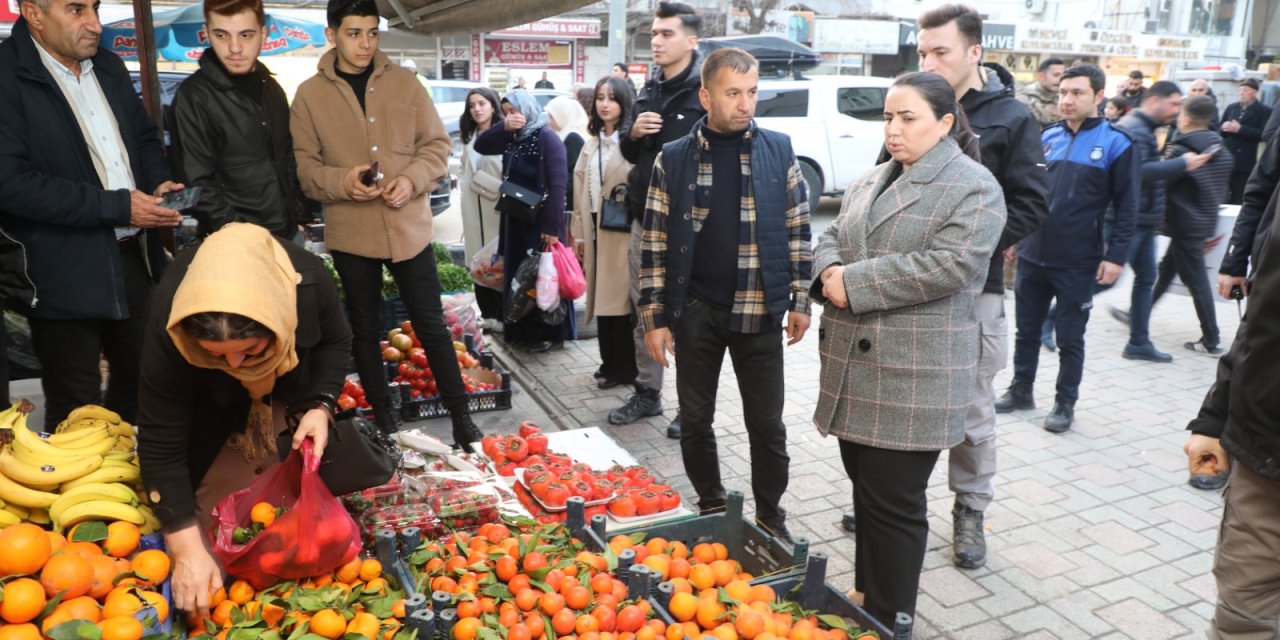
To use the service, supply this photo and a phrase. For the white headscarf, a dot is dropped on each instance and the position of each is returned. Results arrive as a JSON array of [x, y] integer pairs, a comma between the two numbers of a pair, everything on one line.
[[569, 116]]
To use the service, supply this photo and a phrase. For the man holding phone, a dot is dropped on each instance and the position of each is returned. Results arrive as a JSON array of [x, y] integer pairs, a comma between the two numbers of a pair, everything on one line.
[[370, 146], [231, 134], [81, 175], [666, 109]]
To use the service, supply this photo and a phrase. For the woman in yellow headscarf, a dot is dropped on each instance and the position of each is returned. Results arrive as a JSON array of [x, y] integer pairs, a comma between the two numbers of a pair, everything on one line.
[[243, 331]]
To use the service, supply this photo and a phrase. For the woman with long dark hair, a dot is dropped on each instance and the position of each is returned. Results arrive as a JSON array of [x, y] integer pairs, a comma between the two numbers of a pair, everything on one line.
[[599, 176], [533, 157], [897, 273], [478, 189]]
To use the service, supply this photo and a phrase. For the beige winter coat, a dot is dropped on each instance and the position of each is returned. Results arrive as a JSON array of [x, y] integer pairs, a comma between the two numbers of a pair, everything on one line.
[[398, 128], [605, 264], [478, 192]]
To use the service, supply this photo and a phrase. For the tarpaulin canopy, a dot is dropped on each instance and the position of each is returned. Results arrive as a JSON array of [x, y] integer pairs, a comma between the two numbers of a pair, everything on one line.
[[774, 52], [453, 17]]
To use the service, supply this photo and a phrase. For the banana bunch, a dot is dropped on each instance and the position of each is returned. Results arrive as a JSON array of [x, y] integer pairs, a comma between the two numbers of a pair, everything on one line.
[[10, 415], [86, 470]]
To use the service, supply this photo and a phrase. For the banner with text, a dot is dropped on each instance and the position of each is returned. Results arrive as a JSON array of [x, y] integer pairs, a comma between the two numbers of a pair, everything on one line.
[[543, 54]]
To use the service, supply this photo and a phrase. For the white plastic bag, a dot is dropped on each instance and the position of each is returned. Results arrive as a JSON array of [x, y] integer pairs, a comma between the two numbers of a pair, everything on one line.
[[487, 266], [548, 282]]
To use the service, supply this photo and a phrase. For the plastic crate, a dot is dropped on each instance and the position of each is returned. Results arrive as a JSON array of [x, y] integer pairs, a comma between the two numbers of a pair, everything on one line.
[[812, 592], [763, 556], [149, 612], [495, 400]]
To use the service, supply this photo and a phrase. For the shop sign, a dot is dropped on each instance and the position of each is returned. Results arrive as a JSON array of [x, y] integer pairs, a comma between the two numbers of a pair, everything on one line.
[[475, 57], [1098, 42], [1044, 38], [797, 26], [855, 36], [555, 29], [528, 53], [9, 11], [449, 54], [1174, 48], [638, 71]]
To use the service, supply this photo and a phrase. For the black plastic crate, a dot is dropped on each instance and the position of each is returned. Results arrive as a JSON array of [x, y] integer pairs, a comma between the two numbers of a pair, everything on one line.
[[812, 592], [425, 408], [763, 556]]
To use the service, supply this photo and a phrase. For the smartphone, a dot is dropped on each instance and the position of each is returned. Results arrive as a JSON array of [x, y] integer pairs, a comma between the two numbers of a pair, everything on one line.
[[181, 200], [372, 176]]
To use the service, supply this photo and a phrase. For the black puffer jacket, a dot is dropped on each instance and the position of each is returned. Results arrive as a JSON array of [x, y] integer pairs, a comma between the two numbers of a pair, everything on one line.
[[238, 149], [676, 100], [1156, 171], [1192, 200], [1009, 139]]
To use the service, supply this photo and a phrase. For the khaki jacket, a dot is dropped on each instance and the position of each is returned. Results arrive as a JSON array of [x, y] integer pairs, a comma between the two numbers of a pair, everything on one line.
[[398, 128], [605, 263]]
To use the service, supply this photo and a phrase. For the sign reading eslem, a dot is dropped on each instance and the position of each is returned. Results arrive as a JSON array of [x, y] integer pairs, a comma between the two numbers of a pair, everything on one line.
[[9, 11], [555, 29], [528, 53]]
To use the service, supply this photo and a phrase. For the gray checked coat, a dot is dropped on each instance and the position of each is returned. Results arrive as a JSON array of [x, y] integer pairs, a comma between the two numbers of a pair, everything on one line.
[[898, 365]]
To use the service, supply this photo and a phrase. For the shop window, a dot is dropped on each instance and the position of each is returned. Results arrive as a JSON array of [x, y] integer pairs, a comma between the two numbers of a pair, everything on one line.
[[789, 103], [861, 103]]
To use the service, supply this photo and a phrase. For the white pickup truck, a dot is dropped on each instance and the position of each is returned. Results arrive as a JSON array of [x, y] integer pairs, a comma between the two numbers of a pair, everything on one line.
[[836, 124]]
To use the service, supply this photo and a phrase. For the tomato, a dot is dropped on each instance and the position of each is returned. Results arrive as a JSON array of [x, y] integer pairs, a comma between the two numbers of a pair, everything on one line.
[[557, 495], [647, 503], [346, 402], [623, 506], [537, 443], [668, 500], [418, 358], [527, 427], [515, 448]]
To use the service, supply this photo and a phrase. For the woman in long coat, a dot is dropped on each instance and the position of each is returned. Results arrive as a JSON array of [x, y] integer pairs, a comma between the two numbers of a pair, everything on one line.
[[898, 273], [478, 189]]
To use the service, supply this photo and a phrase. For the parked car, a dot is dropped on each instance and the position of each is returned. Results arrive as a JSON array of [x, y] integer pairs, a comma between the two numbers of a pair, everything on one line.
[[169, 81], [543, 96], [836, 124]]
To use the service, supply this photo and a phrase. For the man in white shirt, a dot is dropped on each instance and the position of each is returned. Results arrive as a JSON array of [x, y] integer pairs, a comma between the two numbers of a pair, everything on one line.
[[81, 172]]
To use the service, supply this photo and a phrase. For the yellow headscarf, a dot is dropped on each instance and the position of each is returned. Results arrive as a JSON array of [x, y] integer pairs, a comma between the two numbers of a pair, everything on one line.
[[242, 269]]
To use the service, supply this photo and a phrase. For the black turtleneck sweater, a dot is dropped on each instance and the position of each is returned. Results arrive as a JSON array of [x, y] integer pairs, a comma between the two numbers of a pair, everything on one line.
[[715, 256], [358, 81]]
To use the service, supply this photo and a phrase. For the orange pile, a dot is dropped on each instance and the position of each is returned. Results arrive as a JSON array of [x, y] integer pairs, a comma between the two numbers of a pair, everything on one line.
[[105, 582]]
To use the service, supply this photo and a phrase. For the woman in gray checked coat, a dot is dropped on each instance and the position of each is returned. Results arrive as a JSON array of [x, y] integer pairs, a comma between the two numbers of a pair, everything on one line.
[[898, 273]]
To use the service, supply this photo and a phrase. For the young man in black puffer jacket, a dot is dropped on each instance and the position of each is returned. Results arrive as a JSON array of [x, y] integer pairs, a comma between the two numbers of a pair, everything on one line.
[[1191, 216]]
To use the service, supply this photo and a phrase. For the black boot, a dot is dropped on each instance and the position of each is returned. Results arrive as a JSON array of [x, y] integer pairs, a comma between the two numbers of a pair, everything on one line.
[[673, 429], [387, 416], [465, 431], [1017, 398], [643, 404], [967, 540], [1060, 419]]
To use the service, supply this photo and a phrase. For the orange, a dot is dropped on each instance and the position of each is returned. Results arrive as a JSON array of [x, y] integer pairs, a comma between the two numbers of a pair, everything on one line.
[[702, 577], [738, 590], [23, 600], [82, 608], [679, 567], [159, 603], [722, 552], [469, 609], [122, 602], [272, 614], [725, 632], [56, 541], [376, 585], [578, 597], [723, 571], [153, 565], [263, 513], [762, 593], [24, 548], [563, 622], [749, 624], [104, 570], [675, 632], [370, 569], [54, 619], [328, 623], [121, 628], [83, 549], [365, 624], [241, 592], [656, 545], [681, 585], [397, 608], [678, 550], [26, 631], [683, 606], [221, 614], [67, 573], [217, 597], [527, 599], [122, 539], [349, 572], [466, 628], [586, 623], [704, 553], [601, 583], [709, 612], [660, 563]]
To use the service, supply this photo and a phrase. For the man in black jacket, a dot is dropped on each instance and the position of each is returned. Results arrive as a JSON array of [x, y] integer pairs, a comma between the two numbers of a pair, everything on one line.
[[81, 169], [1192, 214], [232, 128], [666, 110], [1160, 106], [1242, 125], [1238, 421], [1009, 139]]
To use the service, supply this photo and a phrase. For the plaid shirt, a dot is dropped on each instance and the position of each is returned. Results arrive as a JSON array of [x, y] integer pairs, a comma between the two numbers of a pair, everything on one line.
[[749, 314]]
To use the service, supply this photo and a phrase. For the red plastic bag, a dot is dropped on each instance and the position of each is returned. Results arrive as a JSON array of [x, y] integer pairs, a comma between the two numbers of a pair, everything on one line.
[[572, 281], [315, 536]]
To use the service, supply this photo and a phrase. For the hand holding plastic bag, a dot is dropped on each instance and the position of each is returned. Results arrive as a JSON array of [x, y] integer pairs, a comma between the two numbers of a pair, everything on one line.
[[548, 282], [572, 281]]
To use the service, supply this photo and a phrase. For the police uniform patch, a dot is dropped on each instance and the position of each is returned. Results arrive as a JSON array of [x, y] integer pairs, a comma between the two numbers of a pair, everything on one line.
[[1096, 154]]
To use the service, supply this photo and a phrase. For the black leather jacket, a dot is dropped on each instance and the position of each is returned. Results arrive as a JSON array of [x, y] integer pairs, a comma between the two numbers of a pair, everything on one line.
[[238, 149]]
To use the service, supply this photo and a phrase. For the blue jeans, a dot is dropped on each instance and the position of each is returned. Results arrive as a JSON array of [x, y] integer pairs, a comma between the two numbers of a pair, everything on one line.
[[1142, 257], [1035, 289]]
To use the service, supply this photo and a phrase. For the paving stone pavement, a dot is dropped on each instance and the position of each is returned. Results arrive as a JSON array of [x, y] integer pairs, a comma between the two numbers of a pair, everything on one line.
[[1093, 533]]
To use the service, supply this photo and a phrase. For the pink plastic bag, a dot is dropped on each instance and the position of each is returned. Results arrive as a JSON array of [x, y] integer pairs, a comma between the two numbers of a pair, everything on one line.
[[315, 536], [572, 281]]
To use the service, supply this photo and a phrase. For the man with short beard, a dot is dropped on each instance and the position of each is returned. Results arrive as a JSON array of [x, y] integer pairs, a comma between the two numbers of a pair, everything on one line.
[[1041, 94]]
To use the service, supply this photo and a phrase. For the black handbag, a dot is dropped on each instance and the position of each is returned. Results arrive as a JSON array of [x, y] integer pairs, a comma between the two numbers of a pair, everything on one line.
[[521, 203], [358, 455], [614, 215]]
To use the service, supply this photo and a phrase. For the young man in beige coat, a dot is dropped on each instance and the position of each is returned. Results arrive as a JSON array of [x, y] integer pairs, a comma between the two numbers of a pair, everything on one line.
[[370, 146]]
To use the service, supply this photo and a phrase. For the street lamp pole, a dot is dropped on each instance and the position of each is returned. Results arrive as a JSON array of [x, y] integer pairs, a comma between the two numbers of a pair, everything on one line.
[[618, 31]]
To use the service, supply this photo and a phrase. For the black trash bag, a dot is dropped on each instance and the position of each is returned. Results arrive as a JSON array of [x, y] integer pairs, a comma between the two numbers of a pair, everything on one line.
[[556, 315], [522, 295]]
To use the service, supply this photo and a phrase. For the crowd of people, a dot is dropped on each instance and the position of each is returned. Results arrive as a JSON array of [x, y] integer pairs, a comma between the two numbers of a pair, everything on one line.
[[692, 226]]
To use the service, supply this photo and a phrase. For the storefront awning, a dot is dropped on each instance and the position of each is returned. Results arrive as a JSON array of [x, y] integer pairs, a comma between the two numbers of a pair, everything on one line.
[[448, 17]]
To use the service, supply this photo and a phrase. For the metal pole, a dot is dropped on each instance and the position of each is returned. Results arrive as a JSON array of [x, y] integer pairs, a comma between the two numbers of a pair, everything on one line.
[[145, 32], [617, 31]]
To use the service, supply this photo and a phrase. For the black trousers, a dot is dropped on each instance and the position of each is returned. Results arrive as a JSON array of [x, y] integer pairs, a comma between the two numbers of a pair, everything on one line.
[[891, 508], [617, 348], [1185, 257], [1238, 180], [69, 351], [490, 303], [701, 339], [420, 289]]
